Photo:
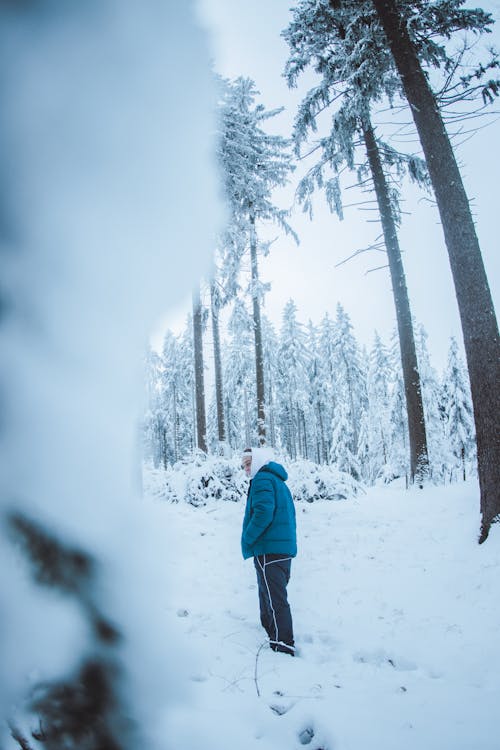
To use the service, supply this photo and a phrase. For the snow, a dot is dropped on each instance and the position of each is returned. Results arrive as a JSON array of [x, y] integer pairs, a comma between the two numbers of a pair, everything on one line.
[[396, 618]]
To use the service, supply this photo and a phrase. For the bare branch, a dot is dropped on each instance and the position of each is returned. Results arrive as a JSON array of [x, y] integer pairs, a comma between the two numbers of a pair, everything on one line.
[[375, 246], [379, 268]]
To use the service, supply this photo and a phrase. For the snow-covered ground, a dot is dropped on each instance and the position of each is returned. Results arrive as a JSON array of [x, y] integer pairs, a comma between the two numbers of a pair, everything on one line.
[[396, 614]]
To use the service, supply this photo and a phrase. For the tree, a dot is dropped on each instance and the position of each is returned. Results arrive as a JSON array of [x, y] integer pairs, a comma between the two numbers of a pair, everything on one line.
[[253, 164], [270, 351], [239, 377], [477, 314], [376, 416], [457, 408], [215, 305], [199, 367], [293, 382], [350, 386], [431, 392], [333, 38]]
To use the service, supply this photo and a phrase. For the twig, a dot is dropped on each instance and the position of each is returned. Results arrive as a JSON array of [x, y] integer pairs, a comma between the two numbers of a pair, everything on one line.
[[379, 268], [264, 643]]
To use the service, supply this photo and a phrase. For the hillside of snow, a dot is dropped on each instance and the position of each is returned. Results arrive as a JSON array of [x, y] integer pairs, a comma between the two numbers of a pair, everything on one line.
[[396, 616]]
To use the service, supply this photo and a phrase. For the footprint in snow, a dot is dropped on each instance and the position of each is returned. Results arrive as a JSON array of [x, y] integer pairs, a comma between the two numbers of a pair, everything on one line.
[[306, 736], [379, 657]]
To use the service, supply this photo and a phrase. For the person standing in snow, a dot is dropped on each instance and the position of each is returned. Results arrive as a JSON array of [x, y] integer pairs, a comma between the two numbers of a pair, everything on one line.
[[269, 536]]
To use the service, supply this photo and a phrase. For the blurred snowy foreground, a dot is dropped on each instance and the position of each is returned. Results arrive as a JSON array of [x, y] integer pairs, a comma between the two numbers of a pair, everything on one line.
[[396, 615]]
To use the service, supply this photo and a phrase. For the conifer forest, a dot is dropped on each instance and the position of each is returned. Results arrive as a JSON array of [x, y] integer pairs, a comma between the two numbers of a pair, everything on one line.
[[308, 388]]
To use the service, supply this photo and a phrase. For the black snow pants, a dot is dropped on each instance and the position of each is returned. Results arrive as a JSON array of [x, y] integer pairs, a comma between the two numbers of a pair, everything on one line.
[[273, 574]]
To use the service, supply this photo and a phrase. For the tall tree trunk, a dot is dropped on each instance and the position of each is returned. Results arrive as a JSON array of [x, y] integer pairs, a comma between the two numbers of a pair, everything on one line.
[[175, 421], [257, 326], [247, 421], [419, 462], [270, 406], [477, 314], [304, 432], [323, 459], [199, 379], [219, 400], [300, 442]]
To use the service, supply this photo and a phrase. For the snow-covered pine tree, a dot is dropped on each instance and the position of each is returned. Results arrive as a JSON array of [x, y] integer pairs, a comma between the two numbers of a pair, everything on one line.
[[293, 383], [343, 439], [377, 430], [182, 374], [334, 37], [318, 397], [170, 428], [270, 346], [216, 300], [457, 414], [152, 422], [431, 391], [238, 365], [326, 364], [199, 370], [253, 164], [399, 454], [350, 387], [410, 30]]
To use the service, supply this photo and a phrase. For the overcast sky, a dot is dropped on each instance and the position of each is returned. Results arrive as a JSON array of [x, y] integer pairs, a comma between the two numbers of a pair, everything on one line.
[[246, 41]]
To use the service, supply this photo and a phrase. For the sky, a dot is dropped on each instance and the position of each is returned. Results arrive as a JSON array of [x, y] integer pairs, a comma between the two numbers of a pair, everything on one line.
[[245, 39]]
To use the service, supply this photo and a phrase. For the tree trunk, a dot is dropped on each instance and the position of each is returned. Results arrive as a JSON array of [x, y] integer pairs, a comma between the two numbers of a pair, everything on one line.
[[221, 428], [419, 462], [257, 326], [175, 422], [199, 379], [270, 404], [247, 422], [477, 314]]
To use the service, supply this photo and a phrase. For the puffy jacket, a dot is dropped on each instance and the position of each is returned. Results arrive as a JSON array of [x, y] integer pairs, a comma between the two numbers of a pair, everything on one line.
[[269, 521]]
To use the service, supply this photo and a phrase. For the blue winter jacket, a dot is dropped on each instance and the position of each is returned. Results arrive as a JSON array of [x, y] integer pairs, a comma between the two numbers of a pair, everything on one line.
[[269, 521]]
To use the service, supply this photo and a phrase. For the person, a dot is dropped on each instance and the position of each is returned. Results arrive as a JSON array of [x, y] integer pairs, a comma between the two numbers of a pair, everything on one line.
[[269, 536]]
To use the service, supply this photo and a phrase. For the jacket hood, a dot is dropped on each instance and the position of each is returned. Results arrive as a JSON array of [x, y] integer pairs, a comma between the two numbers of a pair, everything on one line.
[[275, 468], [260, 457]]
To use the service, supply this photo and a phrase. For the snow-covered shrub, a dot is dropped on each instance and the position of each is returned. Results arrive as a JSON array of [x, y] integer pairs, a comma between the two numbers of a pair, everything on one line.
[[309, 482], [198, 479]]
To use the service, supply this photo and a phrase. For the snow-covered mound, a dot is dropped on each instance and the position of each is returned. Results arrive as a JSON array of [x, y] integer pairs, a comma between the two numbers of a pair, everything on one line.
[[196, 480], [200, 479], [310, 482]]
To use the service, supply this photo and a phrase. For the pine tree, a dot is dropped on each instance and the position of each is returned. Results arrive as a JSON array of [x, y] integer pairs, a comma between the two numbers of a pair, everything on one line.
[[350, 377], [477, 313], [239, 378], [199, 371], [293, 382], [332, 37], [318, 396], [377, 415], [431, 391], [458, 415], [215, 306], [184, 378], [270, 352], [253, 164], [326, 351], [153, 420]]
